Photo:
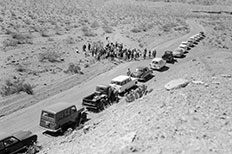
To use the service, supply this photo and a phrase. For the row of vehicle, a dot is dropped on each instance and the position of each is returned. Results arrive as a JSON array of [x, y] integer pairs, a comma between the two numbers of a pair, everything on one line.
[[169, 56], [60, 116]]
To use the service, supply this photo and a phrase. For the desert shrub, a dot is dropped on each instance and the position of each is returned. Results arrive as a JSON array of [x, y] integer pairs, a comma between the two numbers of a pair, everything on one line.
[[16, 87], [88, 32], [136, 30], [107, 28], [47, 32], [168, 27], [74, 69], [95, 24], [17, 38], [70, 40], [21, 68], [86, 65], [51, 56], [10, 42]]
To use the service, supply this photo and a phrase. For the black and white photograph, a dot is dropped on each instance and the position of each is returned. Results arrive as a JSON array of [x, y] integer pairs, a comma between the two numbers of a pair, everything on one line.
[[115, 76]]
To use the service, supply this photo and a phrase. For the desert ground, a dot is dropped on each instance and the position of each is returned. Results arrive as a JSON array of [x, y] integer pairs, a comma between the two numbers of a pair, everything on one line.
[[39, 40]]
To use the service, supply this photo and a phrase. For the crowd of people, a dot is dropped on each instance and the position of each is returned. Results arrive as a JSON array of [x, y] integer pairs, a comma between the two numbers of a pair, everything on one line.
[[116, 50]]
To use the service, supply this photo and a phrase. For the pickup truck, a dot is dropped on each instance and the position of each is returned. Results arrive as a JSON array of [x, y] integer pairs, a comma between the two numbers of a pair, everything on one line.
[[98, 100]]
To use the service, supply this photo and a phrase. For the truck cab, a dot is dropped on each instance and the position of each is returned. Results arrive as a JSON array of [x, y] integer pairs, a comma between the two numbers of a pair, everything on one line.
[[123, 83]]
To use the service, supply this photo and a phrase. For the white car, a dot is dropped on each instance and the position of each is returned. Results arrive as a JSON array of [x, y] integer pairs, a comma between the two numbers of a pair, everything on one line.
[[123, 83], [183, 45], [179, 53], [157, 63]]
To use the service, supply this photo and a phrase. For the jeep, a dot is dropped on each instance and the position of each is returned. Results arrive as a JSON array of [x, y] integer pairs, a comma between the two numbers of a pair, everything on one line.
[[60, 116]]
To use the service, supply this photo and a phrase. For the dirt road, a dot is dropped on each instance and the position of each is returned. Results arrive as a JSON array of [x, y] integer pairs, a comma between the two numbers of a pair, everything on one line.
[[28, 118]]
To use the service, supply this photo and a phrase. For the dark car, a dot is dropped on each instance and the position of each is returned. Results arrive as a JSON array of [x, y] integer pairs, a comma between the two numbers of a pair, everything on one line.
[[17, 142], [168, 56], [142, 73]]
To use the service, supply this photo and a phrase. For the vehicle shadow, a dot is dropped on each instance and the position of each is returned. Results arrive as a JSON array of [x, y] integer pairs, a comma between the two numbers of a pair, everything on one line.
[[165, 68], [147, 79], [173, 61], [183, 56], [52, 134]]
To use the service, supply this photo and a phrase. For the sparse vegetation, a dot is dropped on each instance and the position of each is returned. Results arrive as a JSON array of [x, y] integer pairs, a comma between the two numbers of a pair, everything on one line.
[[17, 38], [51, 56], [13, 87], [88, 32], [74, 69], [107, 29]]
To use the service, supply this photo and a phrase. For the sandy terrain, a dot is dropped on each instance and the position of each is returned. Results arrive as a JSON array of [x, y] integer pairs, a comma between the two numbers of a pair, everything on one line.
[[194, 119]]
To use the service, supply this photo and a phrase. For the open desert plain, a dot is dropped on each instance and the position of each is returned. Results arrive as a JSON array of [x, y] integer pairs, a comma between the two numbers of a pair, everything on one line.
[[42, 62]]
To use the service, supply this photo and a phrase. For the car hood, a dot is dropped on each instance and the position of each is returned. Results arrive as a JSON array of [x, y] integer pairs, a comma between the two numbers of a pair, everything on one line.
[[137, 74], [21, 135]]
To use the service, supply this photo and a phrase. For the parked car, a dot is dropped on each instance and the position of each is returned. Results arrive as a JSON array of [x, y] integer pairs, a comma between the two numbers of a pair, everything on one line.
[[179, 53], [168, 57], [58, 117], [142, 73], [17, 142], [157, 63], [123, 83], [184, 45], [98, 100], [202, 34]]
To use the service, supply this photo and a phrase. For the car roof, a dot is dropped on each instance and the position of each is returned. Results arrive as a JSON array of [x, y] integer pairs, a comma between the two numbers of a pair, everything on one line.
[[55, 108], [157, 59], [120, 78], [3, 135], [141, 67]]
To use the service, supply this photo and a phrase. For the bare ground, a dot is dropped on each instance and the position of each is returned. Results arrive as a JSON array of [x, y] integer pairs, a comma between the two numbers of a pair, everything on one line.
[[195, 119]]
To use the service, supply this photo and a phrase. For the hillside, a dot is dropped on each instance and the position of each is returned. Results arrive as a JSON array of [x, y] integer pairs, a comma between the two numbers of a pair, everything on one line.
[[41, 47]]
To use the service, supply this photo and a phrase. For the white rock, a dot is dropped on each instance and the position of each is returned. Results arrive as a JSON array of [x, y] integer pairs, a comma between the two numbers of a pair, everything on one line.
[[198, 82], [177, 83]]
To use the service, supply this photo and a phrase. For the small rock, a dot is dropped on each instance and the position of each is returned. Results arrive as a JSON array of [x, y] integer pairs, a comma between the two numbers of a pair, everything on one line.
[[176, 84]]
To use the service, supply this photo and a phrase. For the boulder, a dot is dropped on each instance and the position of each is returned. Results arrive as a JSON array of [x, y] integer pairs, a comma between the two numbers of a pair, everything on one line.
[[176, 84]]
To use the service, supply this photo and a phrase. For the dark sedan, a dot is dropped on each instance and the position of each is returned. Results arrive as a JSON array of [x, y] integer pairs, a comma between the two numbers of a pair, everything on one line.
[[17, 142], [142, 73]]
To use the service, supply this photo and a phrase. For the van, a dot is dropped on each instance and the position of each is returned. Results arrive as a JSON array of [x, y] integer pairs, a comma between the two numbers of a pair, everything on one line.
[[157, 63], [60, 116]]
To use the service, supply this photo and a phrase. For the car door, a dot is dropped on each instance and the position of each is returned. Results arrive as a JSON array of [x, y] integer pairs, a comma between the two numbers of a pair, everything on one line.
[[2, 148], [12, 144]]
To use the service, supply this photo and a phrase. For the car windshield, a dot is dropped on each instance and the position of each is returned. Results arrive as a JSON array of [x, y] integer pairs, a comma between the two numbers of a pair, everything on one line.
[[47, 114], [138, 70], [155, 62], [116, 82]]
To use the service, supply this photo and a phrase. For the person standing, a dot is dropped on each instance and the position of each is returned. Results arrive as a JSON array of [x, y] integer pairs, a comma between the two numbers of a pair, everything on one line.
[[149, 54], [128, 72], [84, 48], [154, 53], [145, 53], [89, 46]]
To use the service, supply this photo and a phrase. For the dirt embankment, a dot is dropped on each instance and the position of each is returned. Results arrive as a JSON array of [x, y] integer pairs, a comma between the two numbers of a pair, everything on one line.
[[194, 119]]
